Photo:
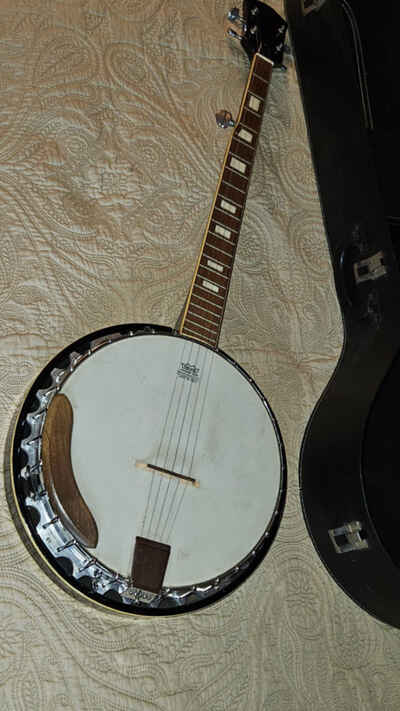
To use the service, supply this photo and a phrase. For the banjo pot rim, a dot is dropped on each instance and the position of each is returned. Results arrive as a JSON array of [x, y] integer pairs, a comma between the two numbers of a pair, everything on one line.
[[189, 599]]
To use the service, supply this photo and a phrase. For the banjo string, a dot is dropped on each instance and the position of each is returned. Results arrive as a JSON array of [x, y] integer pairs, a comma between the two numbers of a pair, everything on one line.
[[160, 445], [178, 447], [160, 478], [180, 501], [175, 417], [175, 492]]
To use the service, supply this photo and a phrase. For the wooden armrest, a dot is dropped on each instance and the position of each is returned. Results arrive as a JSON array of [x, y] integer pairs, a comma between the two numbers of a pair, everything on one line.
[[59, 479]]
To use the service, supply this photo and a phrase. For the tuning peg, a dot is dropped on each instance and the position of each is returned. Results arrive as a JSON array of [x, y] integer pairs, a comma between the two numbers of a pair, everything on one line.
[[233, 16], [234, 34], [224, 119]]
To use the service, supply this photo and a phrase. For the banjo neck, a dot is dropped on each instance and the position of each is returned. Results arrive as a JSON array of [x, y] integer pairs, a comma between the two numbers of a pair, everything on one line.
[[206, 302]]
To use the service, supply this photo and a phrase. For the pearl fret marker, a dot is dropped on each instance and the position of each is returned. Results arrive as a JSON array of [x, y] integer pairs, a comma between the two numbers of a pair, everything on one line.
[[238, 165], [228, 207], [222, 231], [215, 266], [254, 103], [245, 135], [210, 287]]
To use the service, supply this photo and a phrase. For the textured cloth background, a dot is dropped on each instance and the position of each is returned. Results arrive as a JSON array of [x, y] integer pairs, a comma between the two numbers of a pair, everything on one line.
[[109, 159]]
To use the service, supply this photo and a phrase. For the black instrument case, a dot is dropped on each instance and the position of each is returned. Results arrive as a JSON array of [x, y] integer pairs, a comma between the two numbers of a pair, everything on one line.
[[348, 69]]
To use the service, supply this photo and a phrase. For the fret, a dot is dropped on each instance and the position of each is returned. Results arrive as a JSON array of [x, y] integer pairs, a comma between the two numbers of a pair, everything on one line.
[[227, 205], [214, 308], [238, 165], [222, 267], [217, 255], [213, 263], [263, 67], [194, 319], [260, 98], [242, 150], [209, 286], [238, 190], [188, 332], [224, 194], [221, 231], [246, 135], [205, 305], [242, 160], [226, 220], [222, 251], [235, 179], [212, 283], [251, 120], [258, 86], [232, 193], [214, 266], [210, 294], [220, 243], [200, 311], [260, 77], [213, 277], [228, 235], [249, 110]]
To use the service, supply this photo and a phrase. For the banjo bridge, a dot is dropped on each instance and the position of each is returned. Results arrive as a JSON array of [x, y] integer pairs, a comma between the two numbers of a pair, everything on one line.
[[167, 472]]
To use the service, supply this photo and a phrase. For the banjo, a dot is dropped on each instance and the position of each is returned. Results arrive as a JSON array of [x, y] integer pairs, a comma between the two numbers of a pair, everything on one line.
[[147, 468]]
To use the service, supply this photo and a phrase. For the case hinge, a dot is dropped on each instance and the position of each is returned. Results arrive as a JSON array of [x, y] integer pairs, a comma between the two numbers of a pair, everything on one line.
[[349, 537], [370, 268]]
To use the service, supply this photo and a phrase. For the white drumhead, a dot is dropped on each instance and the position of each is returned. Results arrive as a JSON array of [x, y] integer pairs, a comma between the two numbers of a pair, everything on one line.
[[173, 403]]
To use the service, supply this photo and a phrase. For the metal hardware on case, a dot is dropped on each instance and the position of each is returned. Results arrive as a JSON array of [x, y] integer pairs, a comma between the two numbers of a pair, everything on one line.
[[310, 5], [224, 119], [370, 268], [350, 533]]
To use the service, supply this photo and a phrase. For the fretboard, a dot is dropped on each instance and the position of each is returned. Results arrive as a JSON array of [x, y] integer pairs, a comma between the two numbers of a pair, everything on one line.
[[205, 306]]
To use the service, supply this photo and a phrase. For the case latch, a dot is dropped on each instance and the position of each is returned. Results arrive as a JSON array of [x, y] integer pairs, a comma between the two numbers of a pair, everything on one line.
[[349, 537], [370, 268]]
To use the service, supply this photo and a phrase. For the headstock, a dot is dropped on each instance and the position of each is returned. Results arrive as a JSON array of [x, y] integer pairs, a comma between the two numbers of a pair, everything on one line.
[[260, 29]]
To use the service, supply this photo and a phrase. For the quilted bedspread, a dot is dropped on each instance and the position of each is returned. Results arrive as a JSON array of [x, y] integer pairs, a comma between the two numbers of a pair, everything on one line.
[[110, 156]]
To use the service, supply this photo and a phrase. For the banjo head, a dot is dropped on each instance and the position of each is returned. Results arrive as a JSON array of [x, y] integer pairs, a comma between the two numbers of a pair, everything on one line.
[[171, 442]]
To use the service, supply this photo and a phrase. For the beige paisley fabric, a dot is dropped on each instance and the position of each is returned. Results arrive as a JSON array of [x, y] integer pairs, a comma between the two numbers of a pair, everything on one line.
[[109, 158]]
